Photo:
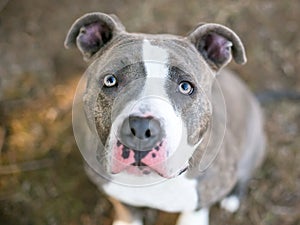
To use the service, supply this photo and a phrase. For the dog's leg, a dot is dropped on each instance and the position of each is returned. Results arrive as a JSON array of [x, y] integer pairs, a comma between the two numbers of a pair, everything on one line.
[[124, 216], [231, 203], [200, 217]]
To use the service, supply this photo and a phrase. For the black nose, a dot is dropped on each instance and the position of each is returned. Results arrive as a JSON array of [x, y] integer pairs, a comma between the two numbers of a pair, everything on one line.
[[140, 127], [141, 133]]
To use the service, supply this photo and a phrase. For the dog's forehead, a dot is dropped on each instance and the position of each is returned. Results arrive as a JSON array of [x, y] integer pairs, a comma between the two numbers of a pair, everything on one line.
[[164, 49]]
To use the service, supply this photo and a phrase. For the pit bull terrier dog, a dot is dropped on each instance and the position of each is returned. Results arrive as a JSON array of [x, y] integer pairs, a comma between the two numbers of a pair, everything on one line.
[[158, 121]]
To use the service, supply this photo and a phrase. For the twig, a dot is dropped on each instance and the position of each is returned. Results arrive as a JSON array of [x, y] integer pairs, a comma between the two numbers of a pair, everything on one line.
[[26, 166], [284, 210], [2, 137]]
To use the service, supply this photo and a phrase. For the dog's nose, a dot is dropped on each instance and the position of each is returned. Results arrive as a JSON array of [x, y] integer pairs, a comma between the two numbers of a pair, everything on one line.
[[141, 133], [143, 128]]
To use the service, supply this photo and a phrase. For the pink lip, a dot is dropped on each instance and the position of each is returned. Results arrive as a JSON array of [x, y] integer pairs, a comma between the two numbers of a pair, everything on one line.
[[154, 161]]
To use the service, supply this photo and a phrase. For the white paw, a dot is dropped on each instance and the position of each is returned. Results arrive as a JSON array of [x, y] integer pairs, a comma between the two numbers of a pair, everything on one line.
[[119, 222], [192, 218], [231, 203]]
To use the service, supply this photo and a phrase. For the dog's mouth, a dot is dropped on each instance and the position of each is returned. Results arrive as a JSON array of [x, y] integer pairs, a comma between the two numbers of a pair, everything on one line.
[[140, 162]]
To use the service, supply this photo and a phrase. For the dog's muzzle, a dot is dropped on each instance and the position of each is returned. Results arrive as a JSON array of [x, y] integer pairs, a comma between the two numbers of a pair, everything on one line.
[[141, 146]]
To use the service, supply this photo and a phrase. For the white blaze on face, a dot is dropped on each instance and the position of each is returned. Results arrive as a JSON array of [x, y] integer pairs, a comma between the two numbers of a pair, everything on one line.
[[154, 93], [155, 61], [152, 53]]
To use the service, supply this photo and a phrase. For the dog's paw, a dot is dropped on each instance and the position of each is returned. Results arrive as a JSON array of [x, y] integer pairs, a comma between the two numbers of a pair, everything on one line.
[[119, 222], [193, 218], [231, 203]]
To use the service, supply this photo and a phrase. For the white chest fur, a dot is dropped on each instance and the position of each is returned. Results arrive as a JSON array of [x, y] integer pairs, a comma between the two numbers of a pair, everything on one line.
[[173, 195]]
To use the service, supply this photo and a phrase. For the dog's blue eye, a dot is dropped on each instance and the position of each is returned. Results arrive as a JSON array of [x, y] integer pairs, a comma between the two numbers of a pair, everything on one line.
[[186, 88], [110, 81]]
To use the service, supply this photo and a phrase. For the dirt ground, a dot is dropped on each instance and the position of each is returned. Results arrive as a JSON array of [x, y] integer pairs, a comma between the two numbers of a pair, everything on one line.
[[41, 171]]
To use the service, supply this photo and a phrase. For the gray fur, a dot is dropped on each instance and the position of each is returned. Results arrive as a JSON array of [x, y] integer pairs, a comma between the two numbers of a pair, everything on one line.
[[242, 149]]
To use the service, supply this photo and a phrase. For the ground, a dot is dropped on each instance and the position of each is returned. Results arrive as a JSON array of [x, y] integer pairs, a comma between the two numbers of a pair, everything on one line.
[[41, 170]]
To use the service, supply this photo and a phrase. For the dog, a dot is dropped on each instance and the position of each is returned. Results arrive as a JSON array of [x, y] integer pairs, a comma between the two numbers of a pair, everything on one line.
[[161, 123]]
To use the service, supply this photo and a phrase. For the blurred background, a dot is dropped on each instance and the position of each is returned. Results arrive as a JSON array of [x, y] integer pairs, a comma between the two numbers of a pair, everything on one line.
[[41, 171]]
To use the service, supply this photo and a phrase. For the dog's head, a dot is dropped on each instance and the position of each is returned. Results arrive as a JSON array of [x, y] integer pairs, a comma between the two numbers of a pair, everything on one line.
[[149, 96]]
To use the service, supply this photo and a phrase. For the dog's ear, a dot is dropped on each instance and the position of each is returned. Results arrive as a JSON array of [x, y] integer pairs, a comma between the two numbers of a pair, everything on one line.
[[217, 44], [93, 31]]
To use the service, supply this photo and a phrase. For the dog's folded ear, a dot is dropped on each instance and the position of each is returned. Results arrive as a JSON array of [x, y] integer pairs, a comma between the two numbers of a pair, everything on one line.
[[93, 31], [217, 44]]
